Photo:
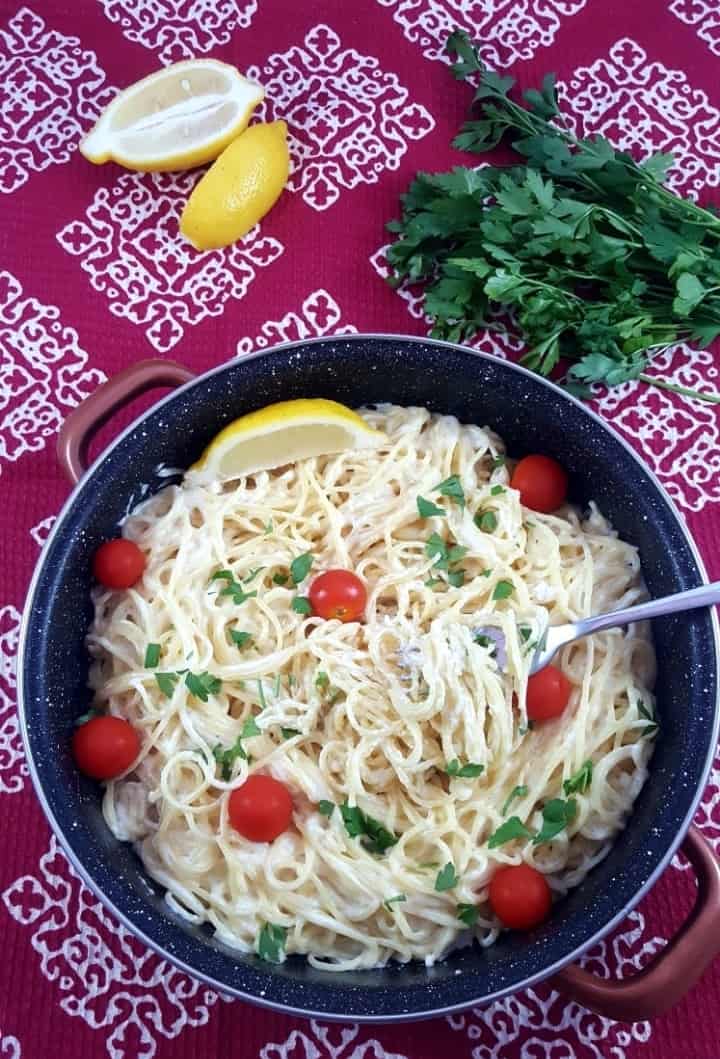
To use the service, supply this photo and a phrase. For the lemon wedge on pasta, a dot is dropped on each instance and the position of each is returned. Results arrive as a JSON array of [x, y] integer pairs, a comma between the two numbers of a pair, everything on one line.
[[283, 433]]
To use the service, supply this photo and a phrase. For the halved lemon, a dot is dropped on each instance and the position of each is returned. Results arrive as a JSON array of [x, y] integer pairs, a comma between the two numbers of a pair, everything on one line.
[[283, 433], [177, 118]]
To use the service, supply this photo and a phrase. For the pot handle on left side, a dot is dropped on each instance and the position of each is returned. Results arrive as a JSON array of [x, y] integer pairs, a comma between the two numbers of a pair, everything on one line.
[[675, 969], [84, 421]]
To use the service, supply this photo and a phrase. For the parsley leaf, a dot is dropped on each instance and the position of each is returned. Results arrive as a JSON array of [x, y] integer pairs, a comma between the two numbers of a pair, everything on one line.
[[152, 655], [271, 943], [322, 681], [447, 878], [202, 685], [446, 554], [469, 771], [300, 567], [226, 758], [516, 792], [426, 508], [376, 838], [497, 490], [511, 829], [233, 588], [397, 899], [452, 489], [301, 605], [456, 578], [649, 716], [288, 733], [252, 574], [281, 579], [325, 807], [486, 521], [503, 589], [467, 914], [580, 780], [242, 639], [557, 814], [250, 728]]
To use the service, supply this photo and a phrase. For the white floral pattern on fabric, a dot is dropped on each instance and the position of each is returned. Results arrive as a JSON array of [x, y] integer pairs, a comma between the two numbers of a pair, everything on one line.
[[319, 315], [9, 1047], [180, 29], [494, 343], [348, 120], [327, 1042], [101, 973], [528, 1025], [43, 371], [41, 531], [13, 766], [679, 437], [130, 247], [53, 92], [642, 106], [505, 30], [703, 16]]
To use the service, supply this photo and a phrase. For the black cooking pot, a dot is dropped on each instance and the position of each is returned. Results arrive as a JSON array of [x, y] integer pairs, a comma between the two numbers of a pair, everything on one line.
[[531, 415]]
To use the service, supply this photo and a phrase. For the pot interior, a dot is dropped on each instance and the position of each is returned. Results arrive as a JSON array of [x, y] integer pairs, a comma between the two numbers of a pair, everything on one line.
[[530, 416]]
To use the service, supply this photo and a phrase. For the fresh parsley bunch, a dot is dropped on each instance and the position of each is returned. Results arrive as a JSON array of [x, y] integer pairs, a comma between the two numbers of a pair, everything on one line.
[[579, 248]]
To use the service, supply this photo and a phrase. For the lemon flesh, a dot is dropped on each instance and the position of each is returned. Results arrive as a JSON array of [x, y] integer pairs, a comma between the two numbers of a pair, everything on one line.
[[239, 189], [182, 116], [284, 433]]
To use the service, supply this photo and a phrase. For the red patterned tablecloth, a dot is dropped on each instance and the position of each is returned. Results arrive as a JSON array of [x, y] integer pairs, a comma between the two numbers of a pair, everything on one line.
[[94, 275]]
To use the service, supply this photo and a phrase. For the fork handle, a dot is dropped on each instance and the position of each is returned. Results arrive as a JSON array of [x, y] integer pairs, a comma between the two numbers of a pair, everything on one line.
[[703, 596]]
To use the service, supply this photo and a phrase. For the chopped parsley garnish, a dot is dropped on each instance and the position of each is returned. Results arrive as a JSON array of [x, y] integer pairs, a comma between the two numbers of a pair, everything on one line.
[[241, 639], [485, 573], [166, 682], [268, 527], [486, 521], [252, 574], [497, 490], [498, 461], [649, 716], [271, 943], [447, 878], [301, 605], [580, 780], [426, 508], [233, 588], [85, 717], [281, 579], [446, 554], [452, 489], [433, 582], [525, 632], [512, 828], [375, 837], [261, 695], [300, 567], [396, 900], [485, 641], [288, 733], [456, 578], [325, 807], [322, 681], [152, 655], [469, 771], [250, 728], [516, 792], [202, 685], [503, 589], [226, 758], [557, 814], [467, 914]]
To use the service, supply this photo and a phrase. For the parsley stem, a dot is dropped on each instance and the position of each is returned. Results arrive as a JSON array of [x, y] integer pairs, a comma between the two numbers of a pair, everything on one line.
[[711, 398]]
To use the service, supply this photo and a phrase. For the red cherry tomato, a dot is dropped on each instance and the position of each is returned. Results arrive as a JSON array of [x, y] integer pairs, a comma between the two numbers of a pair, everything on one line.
[[541, 482], [520, 896], [105, 746], [261, 809], [548, 692], [118, 563], [338, 594]]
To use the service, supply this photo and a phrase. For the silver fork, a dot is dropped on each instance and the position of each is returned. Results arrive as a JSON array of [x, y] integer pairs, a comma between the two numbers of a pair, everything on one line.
[[556, 636]]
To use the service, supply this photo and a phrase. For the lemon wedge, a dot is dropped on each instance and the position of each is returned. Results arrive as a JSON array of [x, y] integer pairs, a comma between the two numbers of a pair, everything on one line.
[[239, 188], [177, 118], [283, 433]]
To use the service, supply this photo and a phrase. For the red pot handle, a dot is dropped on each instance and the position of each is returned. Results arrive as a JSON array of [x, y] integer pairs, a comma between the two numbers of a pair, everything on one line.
[[675, 969], [84, 421]]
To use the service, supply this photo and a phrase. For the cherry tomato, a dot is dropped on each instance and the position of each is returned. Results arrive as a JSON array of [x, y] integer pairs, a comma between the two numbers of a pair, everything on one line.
[[541, 482], [548, 692], [520, 896], [338, 594], [105, 746], [261, 809], [118, 563]]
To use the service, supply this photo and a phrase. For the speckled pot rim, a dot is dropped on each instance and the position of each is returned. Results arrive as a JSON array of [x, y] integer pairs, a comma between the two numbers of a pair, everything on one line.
[[307, 1012]]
